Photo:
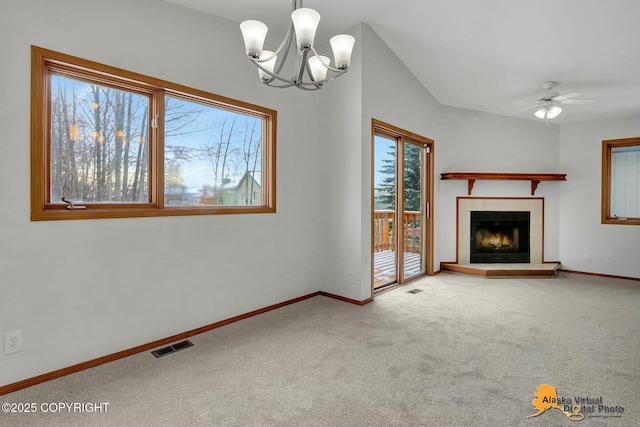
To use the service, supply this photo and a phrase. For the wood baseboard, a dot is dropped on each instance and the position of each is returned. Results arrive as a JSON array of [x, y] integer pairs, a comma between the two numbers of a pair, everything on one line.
[[345, 299], [10, 388], [610, 276], [455, 267]]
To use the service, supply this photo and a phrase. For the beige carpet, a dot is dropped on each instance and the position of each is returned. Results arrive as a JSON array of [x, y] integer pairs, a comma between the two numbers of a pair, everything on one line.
[[463, 352]]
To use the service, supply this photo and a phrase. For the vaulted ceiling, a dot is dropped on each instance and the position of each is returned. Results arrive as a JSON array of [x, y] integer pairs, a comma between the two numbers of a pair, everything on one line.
[[490, 55]]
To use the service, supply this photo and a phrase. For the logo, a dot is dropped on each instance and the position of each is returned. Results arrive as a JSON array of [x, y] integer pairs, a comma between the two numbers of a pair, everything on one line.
[[546, 397]]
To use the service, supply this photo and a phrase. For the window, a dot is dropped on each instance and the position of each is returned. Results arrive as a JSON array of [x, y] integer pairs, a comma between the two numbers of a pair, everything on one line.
[[108, 143], [621, 181]]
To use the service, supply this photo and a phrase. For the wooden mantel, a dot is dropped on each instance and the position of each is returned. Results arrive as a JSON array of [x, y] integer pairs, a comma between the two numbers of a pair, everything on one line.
[[535, 178]]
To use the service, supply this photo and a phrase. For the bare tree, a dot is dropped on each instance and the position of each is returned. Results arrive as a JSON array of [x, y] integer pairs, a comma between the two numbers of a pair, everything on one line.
[[127, 144], [140, 171], [100, 143], [250, 156]]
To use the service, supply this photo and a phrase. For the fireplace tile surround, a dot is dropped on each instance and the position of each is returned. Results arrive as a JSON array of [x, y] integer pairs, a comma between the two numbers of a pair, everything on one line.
[[534, 205]]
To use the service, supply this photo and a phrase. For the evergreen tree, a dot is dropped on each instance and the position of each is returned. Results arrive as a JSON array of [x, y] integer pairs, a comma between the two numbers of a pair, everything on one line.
[[386, 191], [412, 177]]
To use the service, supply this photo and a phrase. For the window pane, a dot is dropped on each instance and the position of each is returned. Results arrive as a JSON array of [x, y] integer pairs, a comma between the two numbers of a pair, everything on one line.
[[384, 218], [412, 215], [211, 156], [625, 181], [99, 143]]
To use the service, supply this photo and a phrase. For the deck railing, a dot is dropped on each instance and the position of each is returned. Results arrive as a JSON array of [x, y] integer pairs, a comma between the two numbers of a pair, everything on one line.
[[384, 231]]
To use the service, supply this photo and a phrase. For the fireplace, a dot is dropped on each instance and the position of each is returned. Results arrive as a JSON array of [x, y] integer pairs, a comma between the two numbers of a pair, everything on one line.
[[499, 237], [532, 205]]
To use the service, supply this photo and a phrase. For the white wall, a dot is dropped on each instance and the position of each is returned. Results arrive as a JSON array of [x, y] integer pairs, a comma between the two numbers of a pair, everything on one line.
[[474, 141], [581, 233], [386, 90], [340, 115], [84, 289]]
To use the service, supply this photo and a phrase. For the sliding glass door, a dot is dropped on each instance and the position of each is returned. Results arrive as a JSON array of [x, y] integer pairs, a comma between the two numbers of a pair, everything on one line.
[[401, 203], [413, 211], [385, 269]]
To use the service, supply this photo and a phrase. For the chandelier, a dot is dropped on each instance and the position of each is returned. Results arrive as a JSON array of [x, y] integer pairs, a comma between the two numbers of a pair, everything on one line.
[[311, 68]]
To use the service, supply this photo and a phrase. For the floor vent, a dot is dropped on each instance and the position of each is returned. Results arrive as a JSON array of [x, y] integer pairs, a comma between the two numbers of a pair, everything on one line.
[[415, 291], [172, 348]]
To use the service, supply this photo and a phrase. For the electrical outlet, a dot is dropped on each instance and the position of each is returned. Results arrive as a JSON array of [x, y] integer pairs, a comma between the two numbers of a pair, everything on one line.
[[352, 277], [587, 256], [12, 342], [609, 259]]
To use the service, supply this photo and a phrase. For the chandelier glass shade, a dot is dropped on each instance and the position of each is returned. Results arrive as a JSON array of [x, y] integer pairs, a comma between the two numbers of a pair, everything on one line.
[[311, 70], [549, 110]]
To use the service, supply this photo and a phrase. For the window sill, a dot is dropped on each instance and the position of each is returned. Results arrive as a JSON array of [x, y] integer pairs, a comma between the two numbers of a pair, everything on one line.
[[54, 214], [620, 221]]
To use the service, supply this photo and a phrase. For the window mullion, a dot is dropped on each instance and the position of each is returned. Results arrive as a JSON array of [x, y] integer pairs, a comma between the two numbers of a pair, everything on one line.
[[157, 131]]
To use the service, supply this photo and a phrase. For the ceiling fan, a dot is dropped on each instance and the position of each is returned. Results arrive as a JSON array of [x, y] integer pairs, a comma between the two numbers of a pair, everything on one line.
[[550, 103]]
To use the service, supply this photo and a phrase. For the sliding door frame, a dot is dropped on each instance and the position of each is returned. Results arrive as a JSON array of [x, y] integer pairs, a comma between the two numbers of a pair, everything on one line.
[[401, 136]]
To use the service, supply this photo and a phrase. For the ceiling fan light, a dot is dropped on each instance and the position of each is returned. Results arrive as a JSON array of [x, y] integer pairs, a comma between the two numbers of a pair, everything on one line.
[[554, 111], [541, 113]]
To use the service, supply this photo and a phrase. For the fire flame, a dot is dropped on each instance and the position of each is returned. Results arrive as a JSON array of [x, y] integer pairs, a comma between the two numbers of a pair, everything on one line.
[[496, 240]]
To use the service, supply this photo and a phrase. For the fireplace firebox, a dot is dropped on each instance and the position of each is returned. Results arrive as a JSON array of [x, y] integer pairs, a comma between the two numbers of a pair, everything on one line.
[[500, 237]]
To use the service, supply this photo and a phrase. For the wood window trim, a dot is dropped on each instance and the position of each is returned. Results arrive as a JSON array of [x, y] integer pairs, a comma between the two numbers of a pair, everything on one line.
[[607, 145], [43, 61]]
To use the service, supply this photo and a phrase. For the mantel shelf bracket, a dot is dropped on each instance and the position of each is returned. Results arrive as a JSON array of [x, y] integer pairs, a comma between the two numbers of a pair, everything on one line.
[[534, 186], [535, 178], [470, 184]]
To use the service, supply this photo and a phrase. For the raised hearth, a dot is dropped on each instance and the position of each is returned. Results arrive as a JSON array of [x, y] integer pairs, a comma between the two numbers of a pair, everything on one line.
[[546, 269], [535, 266]]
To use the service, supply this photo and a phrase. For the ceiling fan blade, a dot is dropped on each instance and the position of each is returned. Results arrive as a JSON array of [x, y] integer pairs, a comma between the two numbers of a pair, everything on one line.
[[566, 96], [525, 109], [579, 101]]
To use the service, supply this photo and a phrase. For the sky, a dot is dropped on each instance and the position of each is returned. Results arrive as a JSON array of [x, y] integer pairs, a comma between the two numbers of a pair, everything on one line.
[[203, 130]]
